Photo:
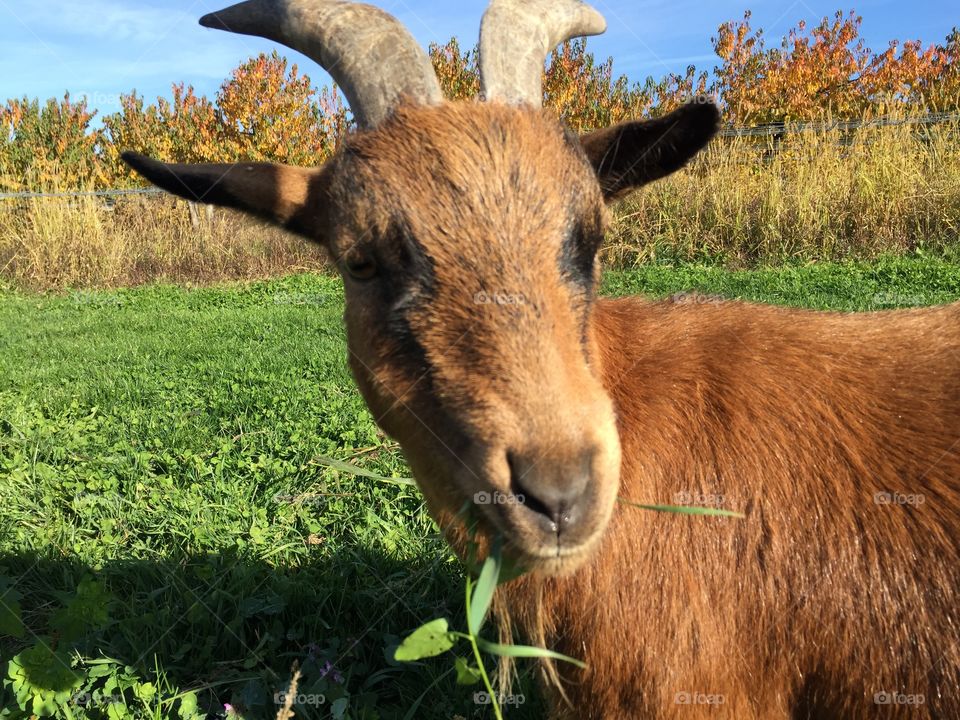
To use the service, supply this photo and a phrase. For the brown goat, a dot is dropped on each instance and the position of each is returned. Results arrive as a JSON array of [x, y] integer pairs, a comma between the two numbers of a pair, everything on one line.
[[467, 236]]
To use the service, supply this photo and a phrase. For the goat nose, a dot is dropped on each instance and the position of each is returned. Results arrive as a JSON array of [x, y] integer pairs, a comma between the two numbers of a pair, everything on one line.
[[550, 489]]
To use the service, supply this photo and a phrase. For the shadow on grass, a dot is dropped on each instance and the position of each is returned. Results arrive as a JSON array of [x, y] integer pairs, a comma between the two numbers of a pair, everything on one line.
[[231, 629]]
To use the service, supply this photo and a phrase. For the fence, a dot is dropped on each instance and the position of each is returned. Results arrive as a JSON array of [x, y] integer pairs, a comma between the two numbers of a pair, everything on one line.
[[773, 130], [195, 210], [779, 129], [75, 194]]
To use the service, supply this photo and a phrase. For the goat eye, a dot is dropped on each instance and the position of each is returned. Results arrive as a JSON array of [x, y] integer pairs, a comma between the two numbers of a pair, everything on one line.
[[360, 267]]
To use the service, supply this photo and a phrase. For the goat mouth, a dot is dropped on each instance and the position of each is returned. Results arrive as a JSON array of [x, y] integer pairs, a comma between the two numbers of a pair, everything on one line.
[[557, 561], [533, 549]]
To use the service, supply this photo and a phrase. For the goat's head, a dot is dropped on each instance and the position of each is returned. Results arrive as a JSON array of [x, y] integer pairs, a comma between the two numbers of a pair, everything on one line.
[[466, 234]]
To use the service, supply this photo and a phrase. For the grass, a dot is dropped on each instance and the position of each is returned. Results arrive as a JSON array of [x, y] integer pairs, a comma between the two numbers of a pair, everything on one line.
[[165, 443], [55, 243], [817, 195], [172, 537]]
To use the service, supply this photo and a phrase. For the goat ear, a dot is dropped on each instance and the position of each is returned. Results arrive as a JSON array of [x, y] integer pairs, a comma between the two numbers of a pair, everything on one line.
[[290, 197], [632, 154]]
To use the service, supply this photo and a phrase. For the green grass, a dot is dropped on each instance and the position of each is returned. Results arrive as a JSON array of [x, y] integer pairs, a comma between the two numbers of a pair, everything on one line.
[[171, 535]]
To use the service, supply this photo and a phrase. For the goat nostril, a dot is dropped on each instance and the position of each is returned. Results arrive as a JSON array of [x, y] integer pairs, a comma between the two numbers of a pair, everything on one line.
[[534, 504], [553, 502]]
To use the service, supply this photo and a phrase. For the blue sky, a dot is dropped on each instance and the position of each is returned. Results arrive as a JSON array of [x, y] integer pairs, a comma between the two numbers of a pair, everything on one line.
[[102, 48]]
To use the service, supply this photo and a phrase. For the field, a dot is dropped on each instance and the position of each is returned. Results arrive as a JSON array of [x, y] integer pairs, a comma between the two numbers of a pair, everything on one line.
[[195, 503], [821, 194], [176, 524]]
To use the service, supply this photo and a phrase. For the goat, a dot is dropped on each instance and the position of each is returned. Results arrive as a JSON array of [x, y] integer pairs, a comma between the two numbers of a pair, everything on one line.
[[467, 236]]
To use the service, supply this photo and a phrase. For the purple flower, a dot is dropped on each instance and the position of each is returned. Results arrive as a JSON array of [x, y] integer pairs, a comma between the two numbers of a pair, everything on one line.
[[329, 669]]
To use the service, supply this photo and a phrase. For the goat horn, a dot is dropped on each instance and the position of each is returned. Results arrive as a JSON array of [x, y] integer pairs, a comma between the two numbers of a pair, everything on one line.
[[367, 51], [516, 37]]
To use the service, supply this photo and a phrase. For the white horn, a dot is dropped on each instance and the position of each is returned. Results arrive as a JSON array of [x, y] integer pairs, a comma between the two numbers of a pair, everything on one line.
[[516, 37], [367, 51]]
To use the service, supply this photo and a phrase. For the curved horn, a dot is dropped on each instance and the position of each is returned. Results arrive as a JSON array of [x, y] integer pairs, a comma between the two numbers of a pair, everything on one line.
[[367, 51], [516, 37]]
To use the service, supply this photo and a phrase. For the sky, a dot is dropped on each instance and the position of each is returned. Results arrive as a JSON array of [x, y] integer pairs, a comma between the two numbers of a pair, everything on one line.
[[102, 48]]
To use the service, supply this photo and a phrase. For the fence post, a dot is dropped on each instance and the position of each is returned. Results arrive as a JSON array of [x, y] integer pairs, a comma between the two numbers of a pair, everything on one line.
[[194, 209]]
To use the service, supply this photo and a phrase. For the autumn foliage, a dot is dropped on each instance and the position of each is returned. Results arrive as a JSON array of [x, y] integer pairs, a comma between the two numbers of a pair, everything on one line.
[[269, 110], [48, 143], [827, 70], [266, 111]]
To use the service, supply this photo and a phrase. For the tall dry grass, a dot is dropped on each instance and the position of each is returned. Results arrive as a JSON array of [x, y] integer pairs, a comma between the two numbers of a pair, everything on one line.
[[53, 243], [813, 195], [822, 194]]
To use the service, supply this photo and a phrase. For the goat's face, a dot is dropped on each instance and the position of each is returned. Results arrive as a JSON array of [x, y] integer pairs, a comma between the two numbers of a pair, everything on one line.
[[469, 267], [467, 236]]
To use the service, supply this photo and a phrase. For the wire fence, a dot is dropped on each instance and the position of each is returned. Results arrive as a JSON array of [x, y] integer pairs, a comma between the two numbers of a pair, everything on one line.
[[76, 194], [774, 130]]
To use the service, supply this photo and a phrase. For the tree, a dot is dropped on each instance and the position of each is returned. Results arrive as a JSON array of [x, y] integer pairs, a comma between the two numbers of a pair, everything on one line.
[[812, 74], [48, 146], [263, 112], [457, 71], [268, 113]]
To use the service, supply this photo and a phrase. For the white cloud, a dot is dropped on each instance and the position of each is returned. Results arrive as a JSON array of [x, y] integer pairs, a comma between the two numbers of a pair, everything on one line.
[[101, 19]]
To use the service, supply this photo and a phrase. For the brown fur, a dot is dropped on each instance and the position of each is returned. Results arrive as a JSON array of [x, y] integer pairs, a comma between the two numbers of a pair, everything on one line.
[[504, 390], [821, 598], [818, 600]]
